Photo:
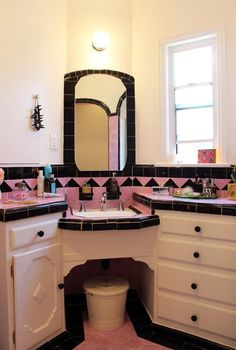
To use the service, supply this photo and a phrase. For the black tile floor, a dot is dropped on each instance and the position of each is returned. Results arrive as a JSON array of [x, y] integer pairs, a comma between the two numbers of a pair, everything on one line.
[[75, 305]]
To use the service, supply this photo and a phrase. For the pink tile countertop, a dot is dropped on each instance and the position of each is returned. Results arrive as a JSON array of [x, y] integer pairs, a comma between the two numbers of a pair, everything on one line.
[[11, 209], [30, 201], [218, 206], [216, 201]]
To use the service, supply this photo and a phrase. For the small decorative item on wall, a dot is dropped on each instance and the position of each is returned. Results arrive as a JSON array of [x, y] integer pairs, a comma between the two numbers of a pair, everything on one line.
[[37, 116], [206, 155], [232, 186]]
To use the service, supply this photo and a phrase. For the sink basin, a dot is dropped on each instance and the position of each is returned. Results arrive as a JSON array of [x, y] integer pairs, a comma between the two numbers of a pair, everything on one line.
[[109, 213]]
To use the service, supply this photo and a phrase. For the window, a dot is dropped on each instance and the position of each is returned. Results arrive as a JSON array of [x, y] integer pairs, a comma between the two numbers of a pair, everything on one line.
[[190, 97]]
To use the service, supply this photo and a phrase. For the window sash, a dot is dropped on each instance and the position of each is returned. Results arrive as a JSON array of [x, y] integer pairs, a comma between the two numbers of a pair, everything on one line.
[[203, 41]]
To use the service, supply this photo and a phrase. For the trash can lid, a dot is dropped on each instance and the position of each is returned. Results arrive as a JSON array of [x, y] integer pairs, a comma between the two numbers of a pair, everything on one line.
[[106, 285]]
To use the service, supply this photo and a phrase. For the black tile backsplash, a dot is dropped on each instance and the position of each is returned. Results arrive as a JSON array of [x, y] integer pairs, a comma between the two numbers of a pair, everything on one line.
[[189, 172], [15, 173], [162, 172], [149, 171], [203, 172], [137, 171], [176, 172], [133, 174], [219, 173]]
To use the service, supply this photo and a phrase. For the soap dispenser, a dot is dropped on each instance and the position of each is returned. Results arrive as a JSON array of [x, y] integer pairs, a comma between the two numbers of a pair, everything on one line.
[[114, 187]]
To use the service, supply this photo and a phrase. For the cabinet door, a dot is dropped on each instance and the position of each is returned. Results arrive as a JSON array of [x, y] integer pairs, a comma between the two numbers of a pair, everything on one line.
[[38, 300]]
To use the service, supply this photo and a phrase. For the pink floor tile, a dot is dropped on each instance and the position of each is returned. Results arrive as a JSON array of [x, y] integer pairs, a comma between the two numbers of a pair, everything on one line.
[[123, 338]]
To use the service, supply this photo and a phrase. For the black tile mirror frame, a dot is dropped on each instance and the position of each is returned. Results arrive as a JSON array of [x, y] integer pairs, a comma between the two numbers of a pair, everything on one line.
[[70, 80]]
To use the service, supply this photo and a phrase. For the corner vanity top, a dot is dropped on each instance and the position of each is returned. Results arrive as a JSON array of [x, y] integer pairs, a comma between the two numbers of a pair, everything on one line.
[[33, 206], [137, 221], [219, 206]]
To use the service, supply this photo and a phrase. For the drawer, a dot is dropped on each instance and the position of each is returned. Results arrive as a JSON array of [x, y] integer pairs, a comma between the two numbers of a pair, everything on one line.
[[199, 225], [33, 233], [198, 315], [215, 286], [215, 255]]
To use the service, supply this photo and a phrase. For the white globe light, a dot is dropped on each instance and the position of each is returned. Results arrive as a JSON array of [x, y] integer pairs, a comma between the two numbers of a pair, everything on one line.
[[100, 41]]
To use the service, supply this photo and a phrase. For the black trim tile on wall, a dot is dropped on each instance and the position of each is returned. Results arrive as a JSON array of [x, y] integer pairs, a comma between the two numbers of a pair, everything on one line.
[[69, 155], [15, 173], [219, 173], [69, 128], [70, 79], [66, 170], [149, 171], [175, 172], [162, 172], [228, 172], [69, 141], [203, 172], [189, 172], [70, 170], [137, 171]]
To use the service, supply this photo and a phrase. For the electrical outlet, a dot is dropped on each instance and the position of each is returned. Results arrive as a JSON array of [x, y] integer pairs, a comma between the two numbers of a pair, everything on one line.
[[53, 141]]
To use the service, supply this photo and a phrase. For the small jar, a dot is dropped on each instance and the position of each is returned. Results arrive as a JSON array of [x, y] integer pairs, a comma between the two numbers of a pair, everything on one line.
[[20, 192]]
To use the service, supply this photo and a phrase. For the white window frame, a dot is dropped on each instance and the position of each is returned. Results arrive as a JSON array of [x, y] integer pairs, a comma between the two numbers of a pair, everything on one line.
[[168, 108]]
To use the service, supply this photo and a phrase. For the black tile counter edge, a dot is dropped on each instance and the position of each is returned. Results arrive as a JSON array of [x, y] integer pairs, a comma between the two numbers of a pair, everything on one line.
[[109, 224], [203, 208], [30, 211]]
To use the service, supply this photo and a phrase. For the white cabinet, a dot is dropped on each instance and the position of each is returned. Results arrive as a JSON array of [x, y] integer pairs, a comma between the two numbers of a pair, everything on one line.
[[196, 275], [31, 299]]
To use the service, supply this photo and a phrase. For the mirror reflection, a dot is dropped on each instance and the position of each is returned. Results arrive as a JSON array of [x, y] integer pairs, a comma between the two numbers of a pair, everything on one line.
[[99, 120], [100, 123]]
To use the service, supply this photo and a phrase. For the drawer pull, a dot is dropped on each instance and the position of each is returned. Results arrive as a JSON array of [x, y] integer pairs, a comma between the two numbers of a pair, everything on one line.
[[196, 255], [197, 228], [194, 318], [61, 285], [194, 285], [40, 233]]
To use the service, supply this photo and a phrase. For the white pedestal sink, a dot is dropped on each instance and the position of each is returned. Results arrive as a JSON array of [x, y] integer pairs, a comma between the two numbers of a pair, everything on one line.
[[108, 213]]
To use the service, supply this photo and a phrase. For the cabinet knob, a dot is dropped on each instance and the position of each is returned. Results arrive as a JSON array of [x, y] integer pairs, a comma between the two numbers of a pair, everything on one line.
[[197, 228], [194, 285], [196, 255], [194, 318], [40, 233], [61, 285]]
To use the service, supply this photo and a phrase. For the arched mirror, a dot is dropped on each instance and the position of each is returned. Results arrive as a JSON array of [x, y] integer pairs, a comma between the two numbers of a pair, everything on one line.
[[99, 120]]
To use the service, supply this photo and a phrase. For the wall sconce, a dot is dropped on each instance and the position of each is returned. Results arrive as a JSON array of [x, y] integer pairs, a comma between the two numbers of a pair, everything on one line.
[[100, 41]]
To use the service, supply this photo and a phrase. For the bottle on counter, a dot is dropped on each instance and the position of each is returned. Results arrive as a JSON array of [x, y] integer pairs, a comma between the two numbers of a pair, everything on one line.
[[40, 184], [47, 177], [52, 184], [47, 171], [214, 188]]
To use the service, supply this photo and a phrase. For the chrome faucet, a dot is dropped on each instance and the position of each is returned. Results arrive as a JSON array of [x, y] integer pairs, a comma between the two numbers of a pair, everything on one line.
[[103, 201], [121, 205]]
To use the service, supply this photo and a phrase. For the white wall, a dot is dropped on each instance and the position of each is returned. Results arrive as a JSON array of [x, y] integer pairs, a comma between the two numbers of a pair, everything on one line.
[[33, 61], [155, 21], [38, 48], [88, 16]]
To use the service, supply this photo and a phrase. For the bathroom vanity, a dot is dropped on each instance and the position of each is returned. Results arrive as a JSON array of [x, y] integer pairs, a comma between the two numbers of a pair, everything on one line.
[[31, 296], [189, 266], [36, 254], [195, 282]]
